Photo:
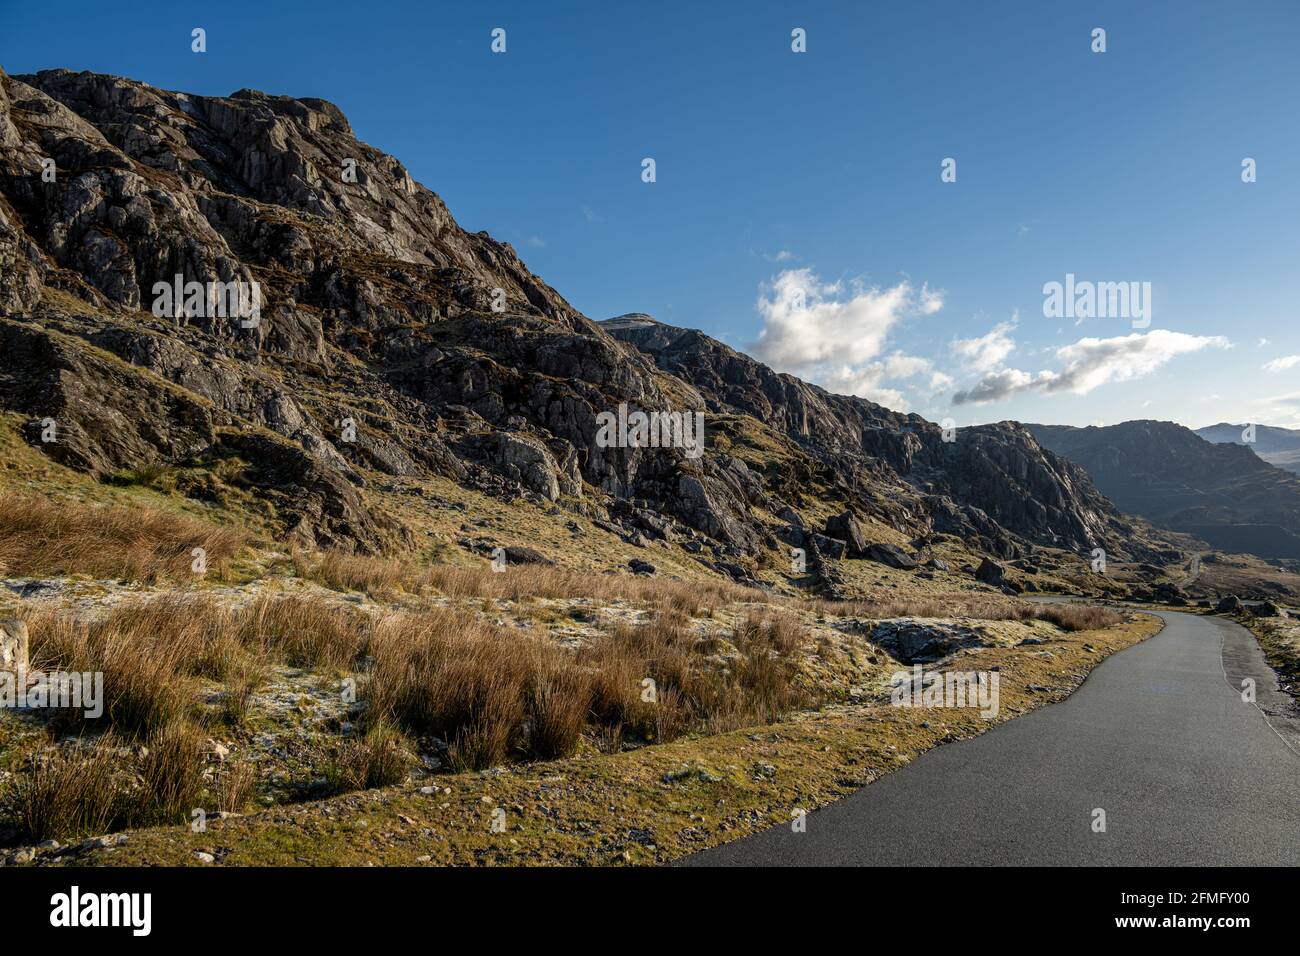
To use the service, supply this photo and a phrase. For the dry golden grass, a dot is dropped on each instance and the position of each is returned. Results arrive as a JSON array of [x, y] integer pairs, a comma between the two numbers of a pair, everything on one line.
[[385, 578], [147, 678], [151, 651], [105, 787], [493, 694], [169, 768], [657, 679], [381, 578], [1078, 617], [303, 631], [43, 537], [496, 695], [65, 794], [987, 607], [234, 787], [449, 674], [378, 758], [242, 682]]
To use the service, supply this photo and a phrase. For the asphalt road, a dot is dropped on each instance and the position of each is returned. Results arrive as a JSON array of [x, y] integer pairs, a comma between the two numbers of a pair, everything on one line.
[[1157, 736]]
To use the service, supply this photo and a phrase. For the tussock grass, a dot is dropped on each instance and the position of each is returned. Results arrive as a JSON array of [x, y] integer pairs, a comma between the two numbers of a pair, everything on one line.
[[65, 794], [241, 684], [303, 631], [385, 578], [1078, 617], [756, 684], [379, 758], [986, 607], [41, 537], [147, 683], [494, 695], [152, 651], [170, 771], [449, 674], [89, 790], [381, 578]]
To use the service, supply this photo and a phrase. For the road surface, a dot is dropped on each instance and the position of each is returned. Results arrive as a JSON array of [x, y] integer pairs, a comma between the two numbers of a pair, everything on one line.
[[1157, 736]]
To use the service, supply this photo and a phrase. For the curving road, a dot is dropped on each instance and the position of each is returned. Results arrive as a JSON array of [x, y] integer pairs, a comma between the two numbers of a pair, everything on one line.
[[1157, 736]]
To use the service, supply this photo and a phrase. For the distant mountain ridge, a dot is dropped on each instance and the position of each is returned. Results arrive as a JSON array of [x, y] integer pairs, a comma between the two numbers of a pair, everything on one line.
[[1222, 493], [1277, 446]]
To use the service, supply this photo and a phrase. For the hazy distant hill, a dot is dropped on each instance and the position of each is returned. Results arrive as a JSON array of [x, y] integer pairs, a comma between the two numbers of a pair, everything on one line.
[[1223, 493], [1277, 446]]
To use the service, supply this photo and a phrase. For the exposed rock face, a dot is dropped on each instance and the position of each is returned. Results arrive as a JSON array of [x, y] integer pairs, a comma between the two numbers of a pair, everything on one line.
[[990, 572], [891, 555], [390, 340], [846, 528], [13, 646], [991, 485], [911, 642], [1223, 493], [527, 461]]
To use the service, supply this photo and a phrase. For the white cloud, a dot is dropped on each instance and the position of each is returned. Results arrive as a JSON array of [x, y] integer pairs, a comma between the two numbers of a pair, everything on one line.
[[1092, 362], [835, 333], [1280, 410], [867, 381], [940, 382], [808, 323], [990, 350], [1282, 364], [537, 242]]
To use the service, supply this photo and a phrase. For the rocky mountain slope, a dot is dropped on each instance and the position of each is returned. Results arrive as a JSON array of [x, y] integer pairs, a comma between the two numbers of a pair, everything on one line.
[[1222, 493], [982, 482], [1277, 446], [391, 344]]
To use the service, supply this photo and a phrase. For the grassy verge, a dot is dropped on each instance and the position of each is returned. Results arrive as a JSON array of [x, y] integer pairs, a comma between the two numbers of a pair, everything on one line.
[[645, 806], [1280, 640]]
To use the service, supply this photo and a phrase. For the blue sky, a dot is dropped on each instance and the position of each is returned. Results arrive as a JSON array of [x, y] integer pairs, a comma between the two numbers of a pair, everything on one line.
[[798, 211]]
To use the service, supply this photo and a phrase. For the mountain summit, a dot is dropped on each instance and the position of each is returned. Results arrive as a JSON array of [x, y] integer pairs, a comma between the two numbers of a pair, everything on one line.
[[392, 345]]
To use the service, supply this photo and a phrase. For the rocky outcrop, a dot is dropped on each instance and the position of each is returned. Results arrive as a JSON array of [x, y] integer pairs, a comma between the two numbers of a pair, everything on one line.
[[527, 461], [13, 646], [891, 555], [990, 572], [845, 527], [989, 484], [913, 642]]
